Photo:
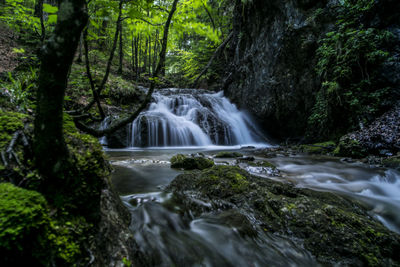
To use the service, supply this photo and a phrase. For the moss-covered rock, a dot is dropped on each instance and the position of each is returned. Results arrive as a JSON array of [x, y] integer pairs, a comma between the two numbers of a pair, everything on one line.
[[263, 163], [28, 234], [335, 229], [223, 180], [392, 162], [190, 163], [349, 147], [227, 154], [318, 148]]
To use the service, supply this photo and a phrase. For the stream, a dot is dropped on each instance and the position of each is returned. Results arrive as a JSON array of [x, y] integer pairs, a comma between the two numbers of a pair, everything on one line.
[[141, 174], [189, 122]]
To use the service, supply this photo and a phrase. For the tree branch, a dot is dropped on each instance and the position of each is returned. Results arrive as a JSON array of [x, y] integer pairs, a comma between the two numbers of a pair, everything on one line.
[[219, 49], [89, 74], [121, 123]]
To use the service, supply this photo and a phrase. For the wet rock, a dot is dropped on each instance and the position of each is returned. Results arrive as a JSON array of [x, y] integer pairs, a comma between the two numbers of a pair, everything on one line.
[[118, 139], [114, 241], [246, 159], [227, 154], [392, 162], [273, 51], [233, 218], [382, 137], [335, 229], [190, 163], [318, 148]]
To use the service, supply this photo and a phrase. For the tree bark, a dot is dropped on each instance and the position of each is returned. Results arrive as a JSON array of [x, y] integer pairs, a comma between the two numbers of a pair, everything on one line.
[[50, 151], [89, 75], [145, 55], [121, 49], [110, 59], [79, 60], [39, 14]]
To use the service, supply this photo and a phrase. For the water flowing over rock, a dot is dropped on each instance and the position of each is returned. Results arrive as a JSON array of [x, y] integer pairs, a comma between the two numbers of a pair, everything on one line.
[[189, 117]]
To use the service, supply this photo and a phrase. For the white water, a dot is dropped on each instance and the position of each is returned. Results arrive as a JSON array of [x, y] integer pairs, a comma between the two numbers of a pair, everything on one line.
[[379, 188], [188, 117]]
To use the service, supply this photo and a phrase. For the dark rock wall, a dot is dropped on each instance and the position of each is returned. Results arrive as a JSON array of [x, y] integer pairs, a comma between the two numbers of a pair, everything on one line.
[[274, 59]]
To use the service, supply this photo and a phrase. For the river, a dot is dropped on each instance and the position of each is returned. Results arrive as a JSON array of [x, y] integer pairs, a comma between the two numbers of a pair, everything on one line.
[[188, 122]]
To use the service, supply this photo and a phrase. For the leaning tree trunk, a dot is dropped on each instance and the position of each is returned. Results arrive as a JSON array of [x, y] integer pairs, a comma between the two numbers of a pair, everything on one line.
[[123, 122], [39, 14], [51, 153], [121, 49]]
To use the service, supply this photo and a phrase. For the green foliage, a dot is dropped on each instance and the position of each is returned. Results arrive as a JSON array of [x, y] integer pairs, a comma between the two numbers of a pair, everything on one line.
[[19, 15], [349, 61], [21, 88]]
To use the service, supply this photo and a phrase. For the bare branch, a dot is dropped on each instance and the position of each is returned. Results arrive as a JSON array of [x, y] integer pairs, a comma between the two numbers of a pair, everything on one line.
[[219, 49]]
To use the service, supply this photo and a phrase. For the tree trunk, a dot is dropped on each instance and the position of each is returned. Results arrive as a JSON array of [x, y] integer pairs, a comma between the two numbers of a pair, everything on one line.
[[140, 57], [51, 153], [39, 14], [121, 49], [89, 75], [145, 55], [79, 60], [155, 51], [133, 54], [149, 55]]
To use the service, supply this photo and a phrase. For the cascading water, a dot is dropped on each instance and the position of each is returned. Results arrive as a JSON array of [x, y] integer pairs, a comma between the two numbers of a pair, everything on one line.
[[189, 117]]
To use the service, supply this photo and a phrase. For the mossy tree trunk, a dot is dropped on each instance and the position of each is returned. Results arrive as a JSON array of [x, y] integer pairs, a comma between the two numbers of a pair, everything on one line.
[[51, 153]]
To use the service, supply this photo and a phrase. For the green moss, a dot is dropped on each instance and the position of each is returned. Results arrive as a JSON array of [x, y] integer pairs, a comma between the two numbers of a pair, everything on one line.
[[318, 148], [10, 122], [68, 124], [226, 154], [349, 147], [190, 163], [29, 236], [82, 190], [224, 180], [392, 162], [262, 164]]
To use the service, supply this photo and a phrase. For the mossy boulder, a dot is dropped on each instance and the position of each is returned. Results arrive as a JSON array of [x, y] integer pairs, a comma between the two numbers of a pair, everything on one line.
[[334, 229], [223, 180], [227, 154], [263, 163], [190, 163], [392, 162], [318, 148], [24, 222], [28, 234], [350, 147]]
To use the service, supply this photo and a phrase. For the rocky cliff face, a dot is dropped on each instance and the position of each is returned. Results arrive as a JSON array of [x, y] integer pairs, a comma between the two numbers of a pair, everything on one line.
[[274, 50]]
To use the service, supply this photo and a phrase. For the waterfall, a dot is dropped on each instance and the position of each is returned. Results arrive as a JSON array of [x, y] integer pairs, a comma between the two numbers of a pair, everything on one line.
[[189, 117]]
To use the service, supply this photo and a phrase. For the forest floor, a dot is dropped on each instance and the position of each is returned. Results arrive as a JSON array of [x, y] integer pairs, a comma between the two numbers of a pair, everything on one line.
[[8, 42]]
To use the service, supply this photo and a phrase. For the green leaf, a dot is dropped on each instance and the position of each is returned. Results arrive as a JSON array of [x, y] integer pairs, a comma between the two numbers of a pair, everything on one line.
[[50, 9], [18, 50], [52, 19]]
